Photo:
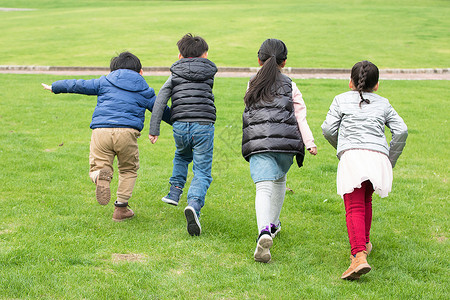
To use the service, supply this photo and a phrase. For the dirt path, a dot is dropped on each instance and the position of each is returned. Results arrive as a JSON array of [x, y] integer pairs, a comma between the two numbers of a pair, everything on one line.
[[297, 73]]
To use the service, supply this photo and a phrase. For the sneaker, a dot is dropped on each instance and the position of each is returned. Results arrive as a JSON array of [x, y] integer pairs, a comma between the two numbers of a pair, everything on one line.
[[173, 197], [264, 242], [102, 191], [193, 224], [274, 229], [122, 212]]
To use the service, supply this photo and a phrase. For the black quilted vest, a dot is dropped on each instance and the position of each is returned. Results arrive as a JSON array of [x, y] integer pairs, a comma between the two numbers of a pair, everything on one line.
[[192, 83], [272, 126]]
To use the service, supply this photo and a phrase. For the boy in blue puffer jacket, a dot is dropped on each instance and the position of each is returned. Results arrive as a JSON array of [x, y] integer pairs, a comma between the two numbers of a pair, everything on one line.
[[123, 97]]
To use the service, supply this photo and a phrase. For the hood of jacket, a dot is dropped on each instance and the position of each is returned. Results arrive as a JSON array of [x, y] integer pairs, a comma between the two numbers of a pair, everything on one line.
[[127, 80], [196, 69]]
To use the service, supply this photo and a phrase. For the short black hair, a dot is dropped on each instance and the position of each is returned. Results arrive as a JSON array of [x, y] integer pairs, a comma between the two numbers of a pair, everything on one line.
[[125, 60], [192, 46]]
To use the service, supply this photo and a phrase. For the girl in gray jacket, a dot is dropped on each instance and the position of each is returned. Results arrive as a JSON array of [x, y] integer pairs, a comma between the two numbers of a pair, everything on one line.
[[355, 126]]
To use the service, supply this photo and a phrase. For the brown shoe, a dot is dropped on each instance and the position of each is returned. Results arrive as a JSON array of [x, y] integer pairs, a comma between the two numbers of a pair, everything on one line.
[[122, 212], [102, 191], [358, 267], [368, 248]]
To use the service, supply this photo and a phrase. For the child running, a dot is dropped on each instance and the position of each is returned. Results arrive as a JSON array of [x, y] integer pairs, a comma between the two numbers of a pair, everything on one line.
[[118, 118], [274, 131], [193, 116], [355, 126]]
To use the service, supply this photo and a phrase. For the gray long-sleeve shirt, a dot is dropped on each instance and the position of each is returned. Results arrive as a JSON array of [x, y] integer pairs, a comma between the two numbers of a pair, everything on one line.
[[348, 126], [161, 102]]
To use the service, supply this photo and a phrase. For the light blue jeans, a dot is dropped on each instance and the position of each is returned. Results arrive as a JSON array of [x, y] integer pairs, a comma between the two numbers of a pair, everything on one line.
[[194, 142]]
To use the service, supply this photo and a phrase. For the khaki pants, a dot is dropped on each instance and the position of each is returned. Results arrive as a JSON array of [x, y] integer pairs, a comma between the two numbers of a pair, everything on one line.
[[106, 143]]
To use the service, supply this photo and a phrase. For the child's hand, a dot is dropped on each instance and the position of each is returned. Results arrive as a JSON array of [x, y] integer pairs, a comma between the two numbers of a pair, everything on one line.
[[153, 138], [313, 150], [47, 87]]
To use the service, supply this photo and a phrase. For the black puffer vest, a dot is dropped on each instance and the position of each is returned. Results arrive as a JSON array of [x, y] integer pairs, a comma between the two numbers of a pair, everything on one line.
[[192, 83], [272, 126]]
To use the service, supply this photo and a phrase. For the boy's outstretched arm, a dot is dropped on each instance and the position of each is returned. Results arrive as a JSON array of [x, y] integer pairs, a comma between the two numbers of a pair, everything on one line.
[[76, 86], [47, 87]]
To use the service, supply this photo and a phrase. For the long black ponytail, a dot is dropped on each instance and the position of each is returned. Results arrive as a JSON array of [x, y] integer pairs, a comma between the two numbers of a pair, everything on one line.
[[364, 76], [272, 54]]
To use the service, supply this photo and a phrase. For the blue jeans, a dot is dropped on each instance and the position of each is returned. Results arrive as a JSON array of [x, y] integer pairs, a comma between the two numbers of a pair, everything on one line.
[[194, 142]]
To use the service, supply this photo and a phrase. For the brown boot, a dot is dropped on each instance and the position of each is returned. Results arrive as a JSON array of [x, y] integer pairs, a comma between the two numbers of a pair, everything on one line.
[[122, 212], [358, 267], [102, 191]]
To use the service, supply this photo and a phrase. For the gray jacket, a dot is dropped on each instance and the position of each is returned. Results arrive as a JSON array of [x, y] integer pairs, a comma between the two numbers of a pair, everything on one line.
[[349, 126]]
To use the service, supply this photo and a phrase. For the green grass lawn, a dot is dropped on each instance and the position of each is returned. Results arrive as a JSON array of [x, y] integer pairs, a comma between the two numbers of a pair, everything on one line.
[[57, 242], [325, 33]]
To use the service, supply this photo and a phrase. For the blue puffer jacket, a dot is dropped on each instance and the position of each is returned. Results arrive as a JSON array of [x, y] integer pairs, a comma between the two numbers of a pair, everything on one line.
[[123, 97]]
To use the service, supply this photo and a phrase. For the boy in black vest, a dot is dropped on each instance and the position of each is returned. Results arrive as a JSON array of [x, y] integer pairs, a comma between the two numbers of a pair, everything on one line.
[[193, 116]]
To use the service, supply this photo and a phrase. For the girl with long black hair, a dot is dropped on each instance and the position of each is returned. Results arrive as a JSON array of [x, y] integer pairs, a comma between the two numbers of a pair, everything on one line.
[[274, 131]]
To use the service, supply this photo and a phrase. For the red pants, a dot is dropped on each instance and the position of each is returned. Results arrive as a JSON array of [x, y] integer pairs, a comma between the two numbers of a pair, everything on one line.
[[358, 208]]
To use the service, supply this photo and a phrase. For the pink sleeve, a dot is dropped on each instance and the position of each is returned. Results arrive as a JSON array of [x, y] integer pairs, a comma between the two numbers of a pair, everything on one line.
[[300, 115]]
